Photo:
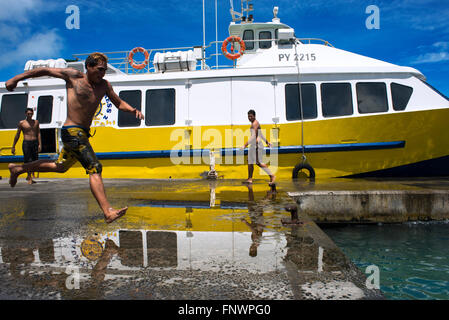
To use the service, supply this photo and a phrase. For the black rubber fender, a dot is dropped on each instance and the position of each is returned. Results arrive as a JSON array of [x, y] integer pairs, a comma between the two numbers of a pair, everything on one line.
[[299, 167]]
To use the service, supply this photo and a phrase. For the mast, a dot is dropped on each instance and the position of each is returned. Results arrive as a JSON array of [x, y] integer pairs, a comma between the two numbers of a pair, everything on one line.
[[203, 62], [244, 16], [216, 36]]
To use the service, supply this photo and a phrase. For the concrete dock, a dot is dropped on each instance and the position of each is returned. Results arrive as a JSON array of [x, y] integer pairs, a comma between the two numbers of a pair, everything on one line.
[[374, 201], [193, 239]]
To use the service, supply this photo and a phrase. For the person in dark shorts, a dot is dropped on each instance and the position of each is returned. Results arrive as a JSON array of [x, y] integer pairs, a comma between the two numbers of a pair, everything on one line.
[[32, 144], [84, 93], [255, 152]]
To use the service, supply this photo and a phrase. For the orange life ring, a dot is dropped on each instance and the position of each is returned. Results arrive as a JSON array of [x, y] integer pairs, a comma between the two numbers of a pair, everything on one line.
[[233, 56], [140, 65]]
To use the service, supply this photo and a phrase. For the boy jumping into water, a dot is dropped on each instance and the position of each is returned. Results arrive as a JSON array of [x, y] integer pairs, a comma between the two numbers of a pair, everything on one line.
[[84, 93]]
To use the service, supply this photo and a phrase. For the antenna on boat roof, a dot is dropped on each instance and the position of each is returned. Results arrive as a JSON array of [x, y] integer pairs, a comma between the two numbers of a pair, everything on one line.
[[243, 16]]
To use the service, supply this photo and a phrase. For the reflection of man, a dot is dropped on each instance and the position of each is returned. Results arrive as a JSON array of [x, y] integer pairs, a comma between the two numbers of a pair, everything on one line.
[[32, 143], [255, 212], [84, 93], [93, 250], [99, 271], [255, 152]]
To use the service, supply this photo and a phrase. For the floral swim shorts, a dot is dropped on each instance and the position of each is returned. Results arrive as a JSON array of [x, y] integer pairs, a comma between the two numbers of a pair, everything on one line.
[[77, 148]]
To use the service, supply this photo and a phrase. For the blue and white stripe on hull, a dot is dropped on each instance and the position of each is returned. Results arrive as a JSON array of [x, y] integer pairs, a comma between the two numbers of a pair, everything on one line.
[[226, 151]]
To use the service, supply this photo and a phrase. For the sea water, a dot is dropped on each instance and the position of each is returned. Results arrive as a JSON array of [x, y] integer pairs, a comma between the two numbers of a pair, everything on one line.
[[413, 257]]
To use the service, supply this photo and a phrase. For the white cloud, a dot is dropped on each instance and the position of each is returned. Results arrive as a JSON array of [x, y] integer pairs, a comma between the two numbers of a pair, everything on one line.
[[431, 57], [19, 11], [441, 44], [437, 52], [424, 15], [22, 35], [45, 45]]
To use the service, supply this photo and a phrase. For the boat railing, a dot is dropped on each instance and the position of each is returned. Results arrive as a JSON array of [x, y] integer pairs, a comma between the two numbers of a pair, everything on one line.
[[120, 59], [315, 41], [209, 58]]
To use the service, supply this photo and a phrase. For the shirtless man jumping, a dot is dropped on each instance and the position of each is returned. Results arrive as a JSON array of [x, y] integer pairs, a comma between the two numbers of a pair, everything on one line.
[[84, 93], [32, 143]]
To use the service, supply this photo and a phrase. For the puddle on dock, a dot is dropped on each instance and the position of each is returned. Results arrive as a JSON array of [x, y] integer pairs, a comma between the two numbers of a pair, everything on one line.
[[206, 240]]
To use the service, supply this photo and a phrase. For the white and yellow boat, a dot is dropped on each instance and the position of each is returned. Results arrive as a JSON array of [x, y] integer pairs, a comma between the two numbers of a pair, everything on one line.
[[353, 116]]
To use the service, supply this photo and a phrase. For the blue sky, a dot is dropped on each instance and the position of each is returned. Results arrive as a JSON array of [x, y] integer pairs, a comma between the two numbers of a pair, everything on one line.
[[412, 32]]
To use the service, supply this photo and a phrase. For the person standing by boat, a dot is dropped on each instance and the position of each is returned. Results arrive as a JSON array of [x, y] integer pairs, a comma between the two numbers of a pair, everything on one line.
[[84, 93], [255, 152], [32, 143]]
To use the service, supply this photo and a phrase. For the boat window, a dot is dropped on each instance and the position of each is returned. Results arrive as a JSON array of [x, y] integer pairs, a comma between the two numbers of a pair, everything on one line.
[[134, 99], [336, 99], [262, 36], [160, 107], [44, 109], [12, 110], [400, 95], [248, 35], [292, 101], [131, 248], [372, 97]]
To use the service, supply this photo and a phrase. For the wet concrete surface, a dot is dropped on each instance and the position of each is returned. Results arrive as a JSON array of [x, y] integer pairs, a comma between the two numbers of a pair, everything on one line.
[[193, 239]]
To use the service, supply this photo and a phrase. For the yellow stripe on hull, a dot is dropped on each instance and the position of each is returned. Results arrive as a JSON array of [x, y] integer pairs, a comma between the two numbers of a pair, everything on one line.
[[425, 134]]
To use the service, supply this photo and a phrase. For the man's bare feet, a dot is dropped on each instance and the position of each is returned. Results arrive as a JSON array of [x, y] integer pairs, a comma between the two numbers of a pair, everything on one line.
[[13, 174], [114, 214]]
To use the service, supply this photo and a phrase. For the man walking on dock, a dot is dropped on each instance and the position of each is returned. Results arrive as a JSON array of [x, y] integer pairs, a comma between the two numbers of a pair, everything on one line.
[[255, 152], [32, 143], [84, 93]]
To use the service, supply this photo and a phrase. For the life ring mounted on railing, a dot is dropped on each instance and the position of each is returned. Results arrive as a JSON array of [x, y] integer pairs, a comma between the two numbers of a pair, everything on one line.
[[131, 58], [232, 39]]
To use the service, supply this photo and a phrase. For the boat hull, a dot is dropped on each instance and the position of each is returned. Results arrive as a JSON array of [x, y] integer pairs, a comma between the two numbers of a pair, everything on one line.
[[395, 145]]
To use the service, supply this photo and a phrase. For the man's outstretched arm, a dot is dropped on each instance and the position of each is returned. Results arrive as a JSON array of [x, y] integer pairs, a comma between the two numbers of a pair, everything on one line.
[[61, 73], [120, 104]]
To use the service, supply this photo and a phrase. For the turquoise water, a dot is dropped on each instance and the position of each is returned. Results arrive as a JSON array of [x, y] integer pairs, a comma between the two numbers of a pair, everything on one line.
[[413, 258]]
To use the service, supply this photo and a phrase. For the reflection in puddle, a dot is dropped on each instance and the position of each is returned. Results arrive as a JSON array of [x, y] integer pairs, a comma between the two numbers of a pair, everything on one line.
[[227, 245], [101, 265], [136, 249], [127, 254]]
